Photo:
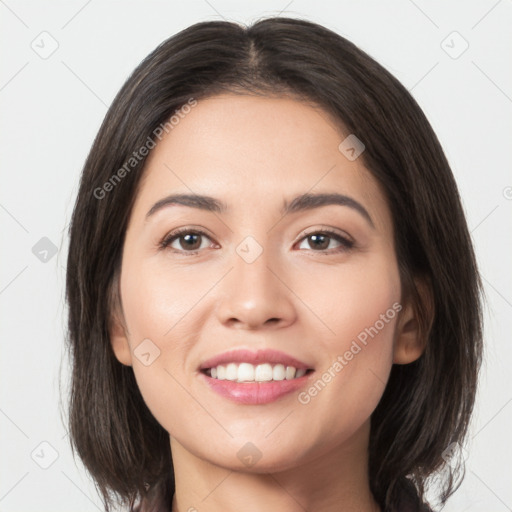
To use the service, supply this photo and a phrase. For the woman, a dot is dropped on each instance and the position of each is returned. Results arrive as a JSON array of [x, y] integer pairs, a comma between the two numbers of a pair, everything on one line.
[[273, 296]]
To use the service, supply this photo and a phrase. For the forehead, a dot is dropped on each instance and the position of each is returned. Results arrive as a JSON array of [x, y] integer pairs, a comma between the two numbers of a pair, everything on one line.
[[251, 150]]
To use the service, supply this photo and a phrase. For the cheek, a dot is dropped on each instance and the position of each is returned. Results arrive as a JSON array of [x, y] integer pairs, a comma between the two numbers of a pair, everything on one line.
[[355, 303], [156, 302], [159, 312], [361, 313], [366, 317]]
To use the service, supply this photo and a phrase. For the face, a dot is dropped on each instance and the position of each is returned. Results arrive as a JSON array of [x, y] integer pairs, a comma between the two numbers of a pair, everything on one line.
[[317, 281]]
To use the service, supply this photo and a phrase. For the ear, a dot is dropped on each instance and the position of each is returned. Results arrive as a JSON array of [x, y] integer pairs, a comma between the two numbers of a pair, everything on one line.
[[414, 323], [119, 341], [118, 332]]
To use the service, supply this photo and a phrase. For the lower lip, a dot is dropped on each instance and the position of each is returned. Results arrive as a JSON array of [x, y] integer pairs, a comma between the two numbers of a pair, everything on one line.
[[255, 393]]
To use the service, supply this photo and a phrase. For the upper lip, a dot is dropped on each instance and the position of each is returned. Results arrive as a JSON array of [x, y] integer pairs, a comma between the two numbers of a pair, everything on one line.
[[252, 357]]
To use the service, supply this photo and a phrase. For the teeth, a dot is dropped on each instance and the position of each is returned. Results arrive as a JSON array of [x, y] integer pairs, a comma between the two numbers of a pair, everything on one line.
[[245, 372]]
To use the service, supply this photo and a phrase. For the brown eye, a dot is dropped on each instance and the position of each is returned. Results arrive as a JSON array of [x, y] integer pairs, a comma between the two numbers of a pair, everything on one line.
[[188, 241], [319, 241]]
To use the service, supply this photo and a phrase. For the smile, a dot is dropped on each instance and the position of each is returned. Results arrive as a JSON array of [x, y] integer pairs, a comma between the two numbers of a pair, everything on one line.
[[246, 372], [252, 392]]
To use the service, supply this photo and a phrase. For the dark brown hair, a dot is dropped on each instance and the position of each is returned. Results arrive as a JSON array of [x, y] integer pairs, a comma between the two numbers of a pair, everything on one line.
[[426, 406]]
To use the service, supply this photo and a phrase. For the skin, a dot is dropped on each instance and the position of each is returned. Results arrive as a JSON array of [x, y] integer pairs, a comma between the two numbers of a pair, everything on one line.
[[253, 153]]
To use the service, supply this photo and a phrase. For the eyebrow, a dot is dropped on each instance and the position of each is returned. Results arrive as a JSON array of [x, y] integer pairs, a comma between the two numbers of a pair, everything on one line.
[[302, 202]]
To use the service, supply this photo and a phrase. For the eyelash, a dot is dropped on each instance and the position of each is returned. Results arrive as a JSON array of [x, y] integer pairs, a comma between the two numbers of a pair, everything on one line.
[[346, 244]]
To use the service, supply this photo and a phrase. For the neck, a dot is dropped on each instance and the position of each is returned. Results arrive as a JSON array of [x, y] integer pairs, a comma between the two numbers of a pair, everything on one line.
[[334, 481]]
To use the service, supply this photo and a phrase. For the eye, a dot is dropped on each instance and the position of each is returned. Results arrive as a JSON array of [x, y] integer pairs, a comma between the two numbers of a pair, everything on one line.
[[320, 240], [188, 239]]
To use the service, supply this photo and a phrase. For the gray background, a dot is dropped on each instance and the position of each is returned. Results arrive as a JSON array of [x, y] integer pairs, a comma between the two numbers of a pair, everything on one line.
[[52, 106]]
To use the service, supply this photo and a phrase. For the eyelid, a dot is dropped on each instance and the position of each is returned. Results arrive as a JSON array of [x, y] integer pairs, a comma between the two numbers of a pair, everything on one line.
[[177, 233], [327, 230], [346, 241]]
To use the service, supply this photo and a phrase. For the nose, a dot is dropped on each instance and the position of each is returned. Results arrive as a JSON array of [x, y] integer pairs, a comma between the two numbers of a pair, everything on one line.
[[255, 295]]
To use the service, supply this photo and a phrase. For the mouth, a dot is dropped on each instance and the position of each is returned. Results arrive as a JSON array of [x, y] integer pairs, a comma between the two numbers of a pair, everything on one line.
[[254, 358], [246, 373], [255, 392], [255, 378]]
